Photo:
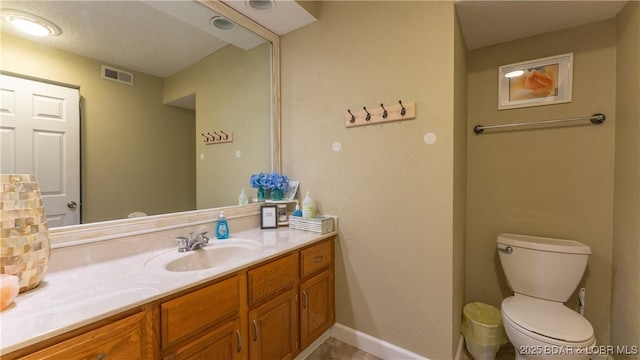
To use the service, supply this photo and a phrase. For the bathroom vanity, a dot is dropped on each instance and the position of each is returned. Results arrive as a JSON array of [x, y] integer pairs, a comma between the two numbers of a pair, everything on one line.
[[268, 300]]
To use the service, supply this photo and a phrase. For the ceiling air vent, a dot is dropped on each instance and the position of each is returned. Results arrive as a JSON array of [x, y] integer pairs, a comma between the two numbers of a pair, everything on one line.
[[120, 76]]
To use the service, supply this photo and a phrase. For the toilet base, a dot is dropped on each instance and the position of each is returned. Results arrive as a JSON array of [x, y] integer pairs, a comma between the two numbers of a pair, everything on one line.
[[528, 348], [530, 345]]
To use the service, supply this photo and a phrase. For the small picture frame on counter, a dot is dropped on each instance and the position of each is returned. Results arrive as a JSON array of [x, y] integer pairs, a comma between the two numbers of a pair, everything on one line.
[[268, 217]]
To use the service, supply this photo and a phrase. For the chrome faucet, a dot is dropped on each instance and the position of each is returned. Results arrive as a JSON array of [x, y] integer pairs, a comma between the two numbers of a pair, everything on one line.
[[190, 243]]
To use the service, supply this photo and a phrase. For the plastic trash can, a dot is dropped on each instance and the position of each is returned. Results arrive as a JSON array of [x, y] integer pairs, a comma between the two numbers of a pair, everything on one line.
[[483, 330]]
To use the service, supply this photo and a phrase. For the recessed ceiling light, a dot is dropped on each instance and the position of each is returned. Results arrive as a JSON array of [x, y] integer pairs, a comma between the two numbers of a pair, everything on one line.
[[261, 5], [221, 23], [514, 73], [30, 24]]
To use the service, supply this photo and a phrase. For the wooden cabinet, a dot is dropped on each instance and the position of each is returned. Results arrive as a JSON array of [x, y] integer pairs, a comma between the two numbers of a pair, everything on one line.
[[183, 317], [123, 339], [272, 278], [317, 305], [289, 302], [273, 309], [273, 328], [316, 258], [269, 311], [223, 342], [204, 324]]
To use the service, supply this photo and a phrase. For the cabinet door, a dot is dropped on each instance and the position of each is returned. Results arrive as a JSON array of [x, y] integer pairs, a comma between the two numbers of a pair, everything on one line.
[[273, 329], [316, 307], [123, 339], [224, 343]]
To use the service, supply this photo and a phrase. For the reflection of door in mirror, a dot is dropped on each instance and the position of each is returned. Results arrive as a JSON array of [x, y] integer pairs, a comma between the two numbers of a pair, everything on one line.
[[40, 134], [141, 147], [136, 152]]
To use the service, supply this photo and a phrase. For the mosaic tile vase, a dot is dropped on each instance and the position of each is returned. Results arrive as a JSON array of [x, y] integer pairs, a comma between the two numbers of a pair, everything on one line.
[[24, 234]]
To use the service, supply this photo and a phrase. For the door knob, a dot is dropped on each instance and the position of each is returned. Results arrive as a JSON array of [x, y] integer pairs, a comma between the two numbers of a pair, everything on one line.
[[72, 204]]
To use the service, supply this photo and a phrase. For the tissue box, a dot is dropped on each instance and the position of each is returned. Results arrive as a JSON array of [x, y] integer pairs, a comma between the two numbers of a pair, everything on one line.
[[322, 225]]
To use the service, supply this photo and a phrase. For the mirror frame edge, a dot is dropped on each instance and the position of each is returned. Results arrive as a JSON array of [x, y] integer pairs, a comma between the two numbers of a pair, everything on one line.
[[240, 19], [106, 230]]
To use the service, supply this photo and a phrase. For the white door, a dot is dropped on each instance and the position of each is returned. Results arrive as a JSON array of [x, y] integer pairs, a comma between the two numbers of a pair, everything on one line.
[[40, 134]]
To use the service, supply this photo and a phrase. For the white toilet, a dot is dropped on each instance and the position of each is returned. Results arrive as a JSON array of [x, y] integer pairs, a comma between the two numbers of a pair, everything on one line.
[[543, 273]]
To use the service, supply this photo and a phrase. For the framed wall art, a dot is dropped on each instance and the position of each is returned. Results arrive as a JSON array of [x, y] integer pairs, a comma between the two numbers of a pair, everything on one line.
[[537, 82]]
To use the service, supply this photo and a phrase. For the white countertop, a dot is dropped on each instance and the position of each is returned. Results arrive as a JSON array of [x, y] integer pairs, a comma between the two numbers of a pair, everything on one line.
[[79, 296]]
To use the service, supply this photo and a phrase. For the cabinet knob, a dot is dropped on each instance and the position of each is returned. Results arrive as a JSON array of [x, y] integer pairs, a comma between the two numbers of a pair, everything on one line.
[[305, 299], [101, 356], [239, 340]]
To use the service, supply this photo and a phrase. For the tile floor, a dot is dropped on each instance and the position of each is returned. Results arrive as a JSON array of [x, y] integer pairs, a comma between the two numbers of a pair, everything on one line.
[[333, 349]]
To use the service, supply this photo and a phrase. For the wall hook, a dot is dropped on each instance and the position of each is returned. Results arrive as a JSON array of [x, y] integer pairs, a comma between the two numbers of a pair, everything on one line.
[[353, 118], [216, 138], [403, 111], [385, 113], [382, 114]]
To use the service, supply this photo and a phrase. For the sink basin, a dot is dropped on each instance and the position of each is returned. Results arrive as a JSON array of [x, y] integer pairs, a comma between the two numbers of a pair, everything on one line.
[[219, 253]]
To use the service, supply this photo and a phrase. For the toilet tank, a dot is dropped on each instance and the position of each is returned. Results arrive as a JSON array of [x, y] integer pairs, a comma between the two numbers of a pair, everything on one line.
[[544, 268]]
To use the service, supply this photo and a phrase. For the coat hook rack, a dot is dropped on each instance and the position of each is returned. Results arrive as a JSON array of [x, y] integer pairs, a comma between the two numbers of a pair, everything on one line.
[[380, 115], [218, 137]]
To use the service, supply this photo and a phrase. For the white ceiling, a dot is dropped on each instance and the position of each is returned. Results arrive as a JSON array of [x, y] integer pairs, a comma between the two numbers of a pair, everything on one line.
[[487, 23], [284, 17], [152, 36], [177, 34]]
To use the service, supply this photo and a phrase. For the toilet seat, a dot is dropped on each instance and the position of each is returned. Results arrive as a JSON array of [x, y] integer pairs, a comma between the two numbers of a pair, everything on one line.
[[550, 320]]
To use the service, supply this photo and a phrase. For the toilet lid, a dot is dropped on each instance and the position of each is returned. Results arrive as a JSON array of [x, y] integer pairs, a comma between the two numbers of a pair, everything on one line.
[[547, 318]]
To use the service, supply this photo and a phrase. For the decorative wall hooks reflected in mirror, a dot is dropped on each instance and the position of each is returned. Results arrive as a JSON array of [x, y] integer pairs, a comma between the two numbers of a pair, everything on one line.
[[218, 137], [383, 114]]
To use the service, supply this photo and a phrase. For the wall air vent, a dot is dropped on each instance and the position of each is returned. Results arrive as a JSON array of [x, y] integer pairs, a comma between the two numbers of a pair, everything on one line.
[[120, 76]]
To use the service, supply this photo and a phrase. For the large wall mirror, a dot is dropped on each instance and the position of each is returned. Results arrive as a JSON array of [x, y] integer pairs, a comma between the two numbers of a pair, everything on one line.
[[201, 71]]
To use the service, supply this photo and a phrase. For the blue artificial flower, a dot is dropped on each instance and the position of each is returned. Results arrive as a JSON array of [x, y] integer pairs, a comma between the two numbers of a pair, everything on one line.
[[269, 181]]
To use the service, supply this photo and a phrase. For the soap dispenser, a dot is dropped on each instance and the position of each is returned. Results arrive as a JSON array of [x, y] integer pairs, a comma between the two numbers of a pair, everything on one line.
[[222, 229], [243, 199], [297, 211], [308, 207]]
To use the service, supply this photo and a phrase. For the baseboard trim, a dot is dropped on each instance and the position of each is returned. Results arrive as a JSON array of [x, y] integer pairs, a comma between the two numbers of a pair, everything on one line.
[[314, 345], [370, 344]]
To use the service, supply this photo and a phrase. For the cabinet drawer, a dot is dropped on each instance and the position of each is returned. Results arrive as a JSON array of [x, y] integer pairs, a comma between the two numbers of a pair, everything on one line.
[[272, 278], [315, 258], [123, 339], [195, 311]]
